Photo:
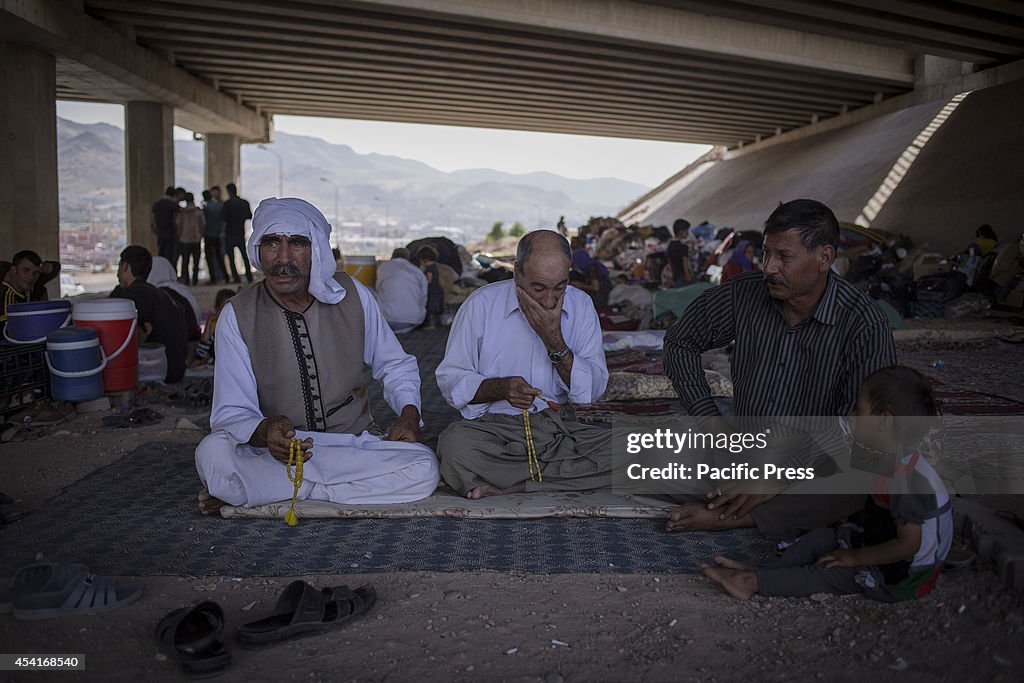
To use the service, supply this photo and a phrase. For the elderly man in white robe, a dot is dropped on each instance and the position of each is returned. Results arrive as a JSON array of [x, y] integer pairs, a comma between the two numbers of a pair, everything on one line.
[[290, 357], [527, 344]]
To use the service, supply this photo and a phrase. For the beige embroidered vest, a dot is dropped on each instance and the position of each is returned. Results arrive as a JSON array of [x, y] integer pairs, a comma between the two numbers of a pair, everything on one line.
[[309, 365]]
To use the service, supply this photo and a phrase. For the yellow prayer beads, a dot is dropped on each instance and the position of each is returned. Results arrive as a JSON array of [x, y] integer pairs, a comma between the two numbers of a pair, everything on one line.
[[296, 460], [531, 451]]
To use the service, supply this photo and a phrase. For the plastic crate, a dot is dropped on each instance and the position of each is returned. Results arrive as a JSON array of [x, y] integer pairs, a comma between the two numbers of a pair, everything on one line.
[[24, 378]]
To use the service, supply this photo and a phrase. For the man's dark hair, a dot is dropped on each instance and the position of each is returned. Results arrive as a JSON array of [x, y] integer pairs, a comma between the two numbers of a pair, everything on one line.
[[139, 260], [400, 252], [815, 222], [207, 196], [215, 187], [680, 226], [179, 190], [903, 393], [189, 197], [26, 254], [232, 189], [987, 232], [169, 191], [525, 249]]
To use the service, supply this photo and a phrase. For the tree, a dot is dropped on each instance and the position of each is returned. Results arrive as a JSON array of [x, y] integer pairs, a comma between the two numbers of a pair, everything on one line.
[[517, 230], [497, 232]]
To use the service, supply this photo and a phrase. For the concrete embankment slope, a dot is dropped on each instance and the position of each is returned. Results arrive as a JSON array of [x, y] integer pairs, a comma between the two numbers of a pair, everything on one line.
[[970, 171]]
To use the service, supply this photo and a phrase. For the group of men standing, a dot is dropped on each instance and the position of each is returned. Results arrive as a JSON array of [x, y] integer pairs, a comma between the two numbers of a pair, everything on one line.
[[521, 352], [182, 228]]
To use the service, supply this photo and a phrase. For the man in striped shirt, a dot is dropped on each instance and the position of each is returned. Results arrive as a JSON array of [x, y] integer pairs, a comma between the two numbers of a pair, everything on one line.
[[804, 338]]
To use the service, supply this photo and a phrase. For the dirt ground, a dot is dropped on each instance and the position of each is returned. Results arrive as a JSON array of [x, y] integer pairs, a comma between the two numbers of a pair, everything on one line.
[[512, 627]]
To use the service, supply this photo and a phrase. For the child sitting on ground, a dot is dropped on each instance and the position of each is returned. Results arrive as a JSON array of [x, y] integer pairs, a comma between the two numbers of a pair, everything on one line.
[[204, 349], [907, 525]]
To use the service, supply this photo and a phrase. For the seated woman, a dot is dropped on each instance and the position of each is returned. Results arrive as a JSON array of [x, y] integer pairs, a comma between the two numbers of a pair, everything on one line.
[[677, 272], [741, 261], [591, 276], [164, 276]]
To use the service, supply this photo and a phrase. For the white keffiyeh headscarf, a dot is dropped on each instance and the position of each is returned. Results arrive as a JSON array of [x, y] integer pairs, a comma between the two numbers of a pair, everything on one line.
[[293, 216]]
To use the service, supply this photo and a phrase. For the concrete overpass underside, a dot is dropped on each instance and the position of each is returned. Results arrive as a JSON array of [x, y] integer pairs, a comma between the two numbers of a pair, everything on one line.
[[737, 74], [934, 172]]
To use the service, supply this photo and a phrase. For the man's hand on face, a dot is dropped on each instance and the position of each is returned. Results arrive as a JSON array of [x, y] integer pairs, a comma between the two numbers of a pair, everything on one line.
[[280, 433], [518, 392], [406, 427], [546, 322]]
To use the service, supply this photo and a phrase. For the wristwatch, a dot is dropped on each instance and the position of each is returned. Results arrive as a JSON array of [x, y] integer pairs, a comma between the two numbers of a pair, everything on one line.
[[558, 356]]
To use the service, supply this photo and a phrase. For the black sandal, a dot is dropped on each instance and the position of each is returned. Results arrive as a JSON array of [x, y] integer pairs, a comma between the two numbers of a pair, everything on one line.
[[194, 636], [303, 610]]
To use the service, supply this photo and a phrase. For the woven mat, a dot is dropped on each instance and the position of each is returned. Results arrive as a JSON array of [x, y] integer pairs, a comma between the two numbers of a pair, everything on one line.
[[446, 503], [138, 516]]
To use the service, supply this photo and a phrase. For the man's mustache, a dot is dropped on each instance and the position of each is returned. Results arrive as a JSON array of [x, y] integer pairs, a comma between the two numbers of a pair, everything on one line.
[[285, 270], [774, 280]]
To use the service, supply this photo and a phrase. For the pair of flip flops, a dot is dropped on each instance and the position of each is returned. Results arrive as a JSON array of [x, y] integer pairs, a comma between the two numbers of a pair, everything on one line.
[[194, 636], [46, 590]]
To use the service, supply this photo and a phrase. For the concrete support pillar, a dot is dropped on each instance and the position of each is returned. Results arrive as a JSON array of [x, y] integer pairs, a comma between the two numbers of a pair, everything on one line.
[[29, 215], [223, 163], [149, 164]]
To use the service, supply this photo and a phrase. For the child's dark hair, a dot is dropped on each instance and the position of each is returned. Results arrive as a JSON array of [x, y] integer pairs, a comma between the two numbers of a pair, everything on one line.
[[222, 297], [426, 253], [903, 393]]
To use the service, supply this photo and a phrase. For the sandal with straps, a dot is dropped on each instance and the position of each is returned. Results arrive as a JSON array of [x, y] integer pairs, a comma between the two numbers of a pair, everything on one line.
[[303, 610], [31, 579], [74, 592], [194, 636]]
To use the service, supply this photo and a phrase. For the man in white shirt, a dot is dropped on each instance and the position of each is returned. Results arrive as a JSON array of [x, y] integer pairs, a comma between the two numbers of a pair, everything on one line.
[[531, 343], [402, 292], [290, 356]]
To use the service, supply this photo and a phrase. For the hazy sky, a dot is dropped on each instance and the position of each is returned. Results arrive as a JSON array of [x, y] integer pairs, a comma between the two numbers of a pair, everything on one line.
[[450, 148]]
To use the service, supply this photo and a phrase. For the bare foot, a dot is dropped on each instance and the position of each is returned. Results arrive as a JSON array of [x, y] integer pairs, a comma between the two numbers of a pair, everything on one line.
[[741, 585], [723, 561], [208, 505], [697, 517], [488, 490]]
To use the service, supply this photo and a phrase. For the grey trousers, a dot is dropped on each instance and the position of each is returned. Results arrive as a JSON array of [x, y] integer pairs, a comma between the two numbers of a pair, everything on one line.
[[492, 450], [795, 573]]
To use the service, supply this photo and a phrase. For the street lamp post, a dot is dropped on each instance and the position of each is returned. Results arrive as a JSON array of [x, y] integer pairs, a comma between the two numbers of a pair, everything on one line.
[[387, 214], [335, 186], [280, 169]]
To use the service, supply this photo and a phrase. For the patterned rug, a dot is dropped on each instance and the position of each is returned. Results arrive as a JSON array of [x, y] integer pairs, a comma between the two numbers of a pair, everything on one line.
[[972, 377], [137, 517]]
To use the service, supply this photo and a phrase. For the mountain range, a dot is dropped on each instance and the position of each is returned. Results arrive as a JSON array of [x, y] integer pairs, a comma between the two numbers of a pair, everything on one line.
[[371, 188]]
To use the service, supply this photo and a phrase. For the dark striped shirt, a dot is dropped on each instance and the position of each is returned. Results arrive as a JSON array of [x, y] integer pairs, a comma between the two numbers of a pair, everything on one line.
[[813, 368]]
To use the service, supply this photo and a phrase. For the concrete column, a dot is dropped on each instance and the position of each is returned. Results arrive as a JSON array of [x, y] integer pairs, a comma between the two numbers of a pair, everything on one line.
[[223, 163], [149, 164], [29, 215]]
